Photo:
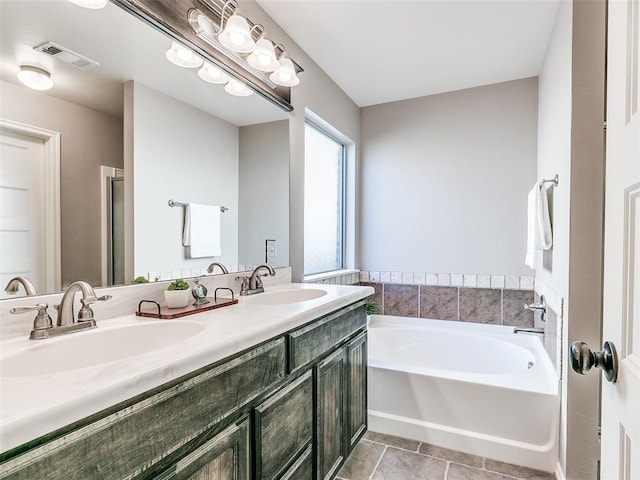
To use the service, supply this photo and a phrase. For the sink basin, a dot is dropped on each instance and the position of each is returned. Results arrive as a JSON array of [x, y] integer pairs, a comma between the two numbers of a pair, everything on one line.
[[280, 297], [94, 347]]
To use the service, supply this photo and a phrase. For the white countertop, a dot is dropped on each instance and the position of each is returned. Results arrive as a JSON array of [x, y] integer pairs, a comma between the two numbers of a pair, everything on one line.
[[32, 406]]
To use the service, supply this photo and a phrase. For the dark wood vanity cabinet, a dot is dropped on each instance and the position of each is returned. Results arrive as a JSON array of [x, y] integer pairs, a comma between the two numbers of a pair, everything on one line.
[[291, 408]]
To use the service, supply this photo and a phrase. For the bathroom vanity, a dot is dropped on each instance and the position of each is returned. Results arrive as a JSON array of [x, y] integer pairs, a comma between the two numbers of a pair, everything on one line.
[[289, 402]]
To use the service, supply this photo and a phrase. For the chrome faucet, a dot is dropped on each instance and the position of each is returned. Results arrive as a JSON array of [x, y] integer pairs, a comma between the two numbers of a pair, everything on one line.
[[528, 330], [43, 326], [15, 282], [85, 319], [253, 284], [222, 268]]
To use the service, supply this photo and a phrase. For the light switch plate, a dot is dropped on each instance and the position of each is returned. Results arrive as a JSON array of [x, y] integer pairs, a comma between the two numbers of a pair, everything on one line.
[[271, 251]]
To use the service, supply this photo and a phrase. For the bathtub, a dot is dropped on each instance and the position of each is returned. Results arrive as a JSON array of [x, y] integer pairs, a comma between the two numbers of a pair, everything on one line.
[[475, 388]]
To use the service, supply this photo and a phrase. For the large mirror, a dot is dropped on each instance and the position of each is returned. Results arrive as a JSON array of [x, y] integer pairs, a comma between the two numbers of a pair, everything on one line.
[[133, 131]]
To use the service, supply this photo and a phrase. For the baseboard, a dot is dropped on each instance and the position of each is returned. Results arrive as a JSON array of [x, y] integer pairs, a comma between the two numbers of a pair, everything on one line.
[[560, 472]]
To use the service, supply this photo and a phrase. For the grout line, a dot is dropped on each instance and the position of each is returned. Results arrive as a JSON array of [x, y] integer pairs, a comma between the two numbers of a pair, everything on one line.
[[446, 471], [373, 472]]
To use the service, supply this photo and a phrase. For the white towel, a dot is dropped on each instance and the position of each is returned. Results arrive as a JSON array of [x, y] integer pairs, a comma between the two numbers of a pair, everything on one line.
[[201, 234], [539, 234]]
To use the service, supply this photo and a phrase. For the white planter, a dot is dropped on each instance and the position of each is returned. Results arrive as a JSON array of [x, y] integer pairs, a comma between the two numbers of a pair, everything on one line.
[[177, 298]]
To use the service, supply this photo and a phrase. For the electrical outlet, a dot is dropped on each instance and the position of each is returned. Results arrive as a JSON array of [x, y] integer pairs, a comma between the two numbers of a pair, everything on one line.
[[271, 251]]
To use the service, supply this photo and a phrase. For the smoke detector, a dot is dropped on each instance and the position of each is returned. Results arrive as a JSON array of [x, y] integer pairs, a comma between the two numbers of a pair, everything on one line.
[[65, 55]]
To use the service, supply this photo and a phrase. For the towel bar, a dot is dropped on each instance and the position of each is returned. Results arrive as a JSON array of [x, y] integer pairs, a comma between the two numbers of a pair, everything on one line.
[[553, 180], [173, 203]]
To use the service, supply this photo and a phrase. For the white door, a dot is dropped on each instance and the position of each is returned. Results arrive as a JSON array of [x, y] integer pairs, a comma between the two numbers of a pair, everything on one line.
[[22, 209], [620, 455]]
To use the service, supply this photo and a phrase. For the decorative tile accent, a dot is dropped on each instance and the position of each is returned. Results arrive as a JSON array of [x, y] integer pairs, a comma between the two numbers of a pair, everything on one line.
[[439, 303], [480, 305], [484, 281], [407, 278], [364, 276], [512, 282], [397, 464], [401, 300], [396, 277], [470, 280], [457, 280], [497, 281], [420, 278], [432, 279], [551, 337], [385, 277], [527, 283], [513, 312], [444, 279], [374, 277]]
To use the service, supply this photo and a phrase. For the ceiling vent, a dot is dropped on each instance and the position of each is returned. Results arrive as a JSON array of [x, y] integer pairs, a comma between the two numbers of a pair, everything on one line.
[[65, 55]]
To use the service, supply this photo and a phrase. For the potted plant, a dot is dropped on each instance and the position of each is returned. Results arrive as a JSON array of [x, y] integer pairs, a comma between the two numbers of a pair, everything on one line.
[[177, 294]]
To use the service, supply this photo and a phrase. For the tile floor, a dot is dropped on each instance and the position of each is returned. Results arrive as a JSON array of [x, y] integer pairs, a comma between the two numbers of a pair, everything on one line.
[[382, 457]]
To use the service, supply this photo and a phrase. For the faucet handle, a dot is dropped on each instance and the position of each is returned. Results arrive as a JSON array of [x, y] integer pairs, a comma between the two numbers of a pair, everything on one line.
[[42, 322], [90, 300]]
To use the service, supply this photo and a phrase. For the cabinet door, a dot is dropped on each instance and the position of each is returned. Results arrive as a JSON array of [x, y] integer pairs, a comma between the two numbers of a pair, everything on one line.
[[330, 400], [224, 457], [356, 389], [302, 469], [284, 428]]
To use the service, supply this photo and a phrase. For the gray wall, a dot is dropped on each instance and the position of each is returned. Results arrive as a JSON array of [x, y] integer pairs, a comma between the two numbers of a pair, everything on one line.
[[445, 181], [319, 94], [88, 139], [264, 192], [187, 155]]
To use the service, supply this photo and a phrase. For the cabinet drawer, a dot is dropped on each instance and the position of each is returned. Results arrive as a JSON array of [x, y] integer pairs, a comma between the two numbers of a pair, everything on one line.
[[284, 427], [131, 440], [309, 343]]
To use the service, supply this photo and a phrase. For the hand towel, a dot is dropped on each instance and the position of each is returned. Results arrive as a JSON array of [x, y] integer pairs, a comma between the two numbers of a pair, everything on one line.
[[539, 234], [201, 234]]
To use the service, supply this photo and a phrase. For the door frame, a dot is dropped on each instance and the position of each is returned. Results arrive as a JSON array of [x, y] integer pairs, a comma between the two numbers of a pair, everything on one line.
[[52, 253]]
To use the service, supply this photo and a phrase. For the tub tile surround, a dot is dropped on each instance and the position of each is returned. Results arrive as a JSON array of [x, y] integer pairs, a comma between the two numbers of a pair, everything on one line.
[[472, 280], [465, 304], [385, 457]]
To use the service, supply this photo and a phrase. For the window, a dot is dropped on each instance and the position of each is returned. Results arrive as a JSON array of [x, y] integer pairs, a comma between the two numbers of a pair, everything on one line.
[[323, 201]]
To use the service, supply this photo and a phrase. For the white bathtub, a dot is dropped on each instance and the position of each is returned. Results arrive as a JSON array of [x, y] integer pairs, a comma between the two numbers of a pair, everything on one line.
[[475, 388]]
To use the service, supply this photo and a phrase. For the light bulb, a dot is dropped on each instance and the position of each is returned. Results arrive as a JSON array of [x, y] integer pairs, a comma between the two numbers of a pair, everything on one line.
[[183, 57], [263, 57], [236, 35], [285, 74], [239, 89], [212, 74]]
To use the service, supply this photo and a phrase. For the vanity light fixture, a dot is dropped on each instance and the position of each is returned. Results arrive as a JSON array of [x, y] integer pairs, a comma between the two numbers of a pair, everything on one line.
[[237, 88], [236, 35], [35, 77], [93, 4], [212, 74], [263, 58], [285, 75], [183, 57]]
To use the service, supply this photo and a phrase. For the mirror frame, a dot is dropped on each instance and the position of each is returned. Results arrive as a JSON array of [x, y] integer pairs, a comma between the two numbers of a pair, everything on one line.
[[172, 18]]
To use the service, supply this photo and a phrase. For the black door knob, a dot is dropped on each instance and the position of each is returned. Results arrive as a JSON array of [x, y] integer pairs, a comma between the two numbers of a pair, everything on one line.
[[583, 359]]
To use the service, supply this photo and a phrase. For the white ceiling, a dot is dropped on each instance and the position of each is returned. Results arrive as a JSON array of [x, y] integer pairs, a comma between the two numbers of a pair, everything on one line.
[[380, 51]]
